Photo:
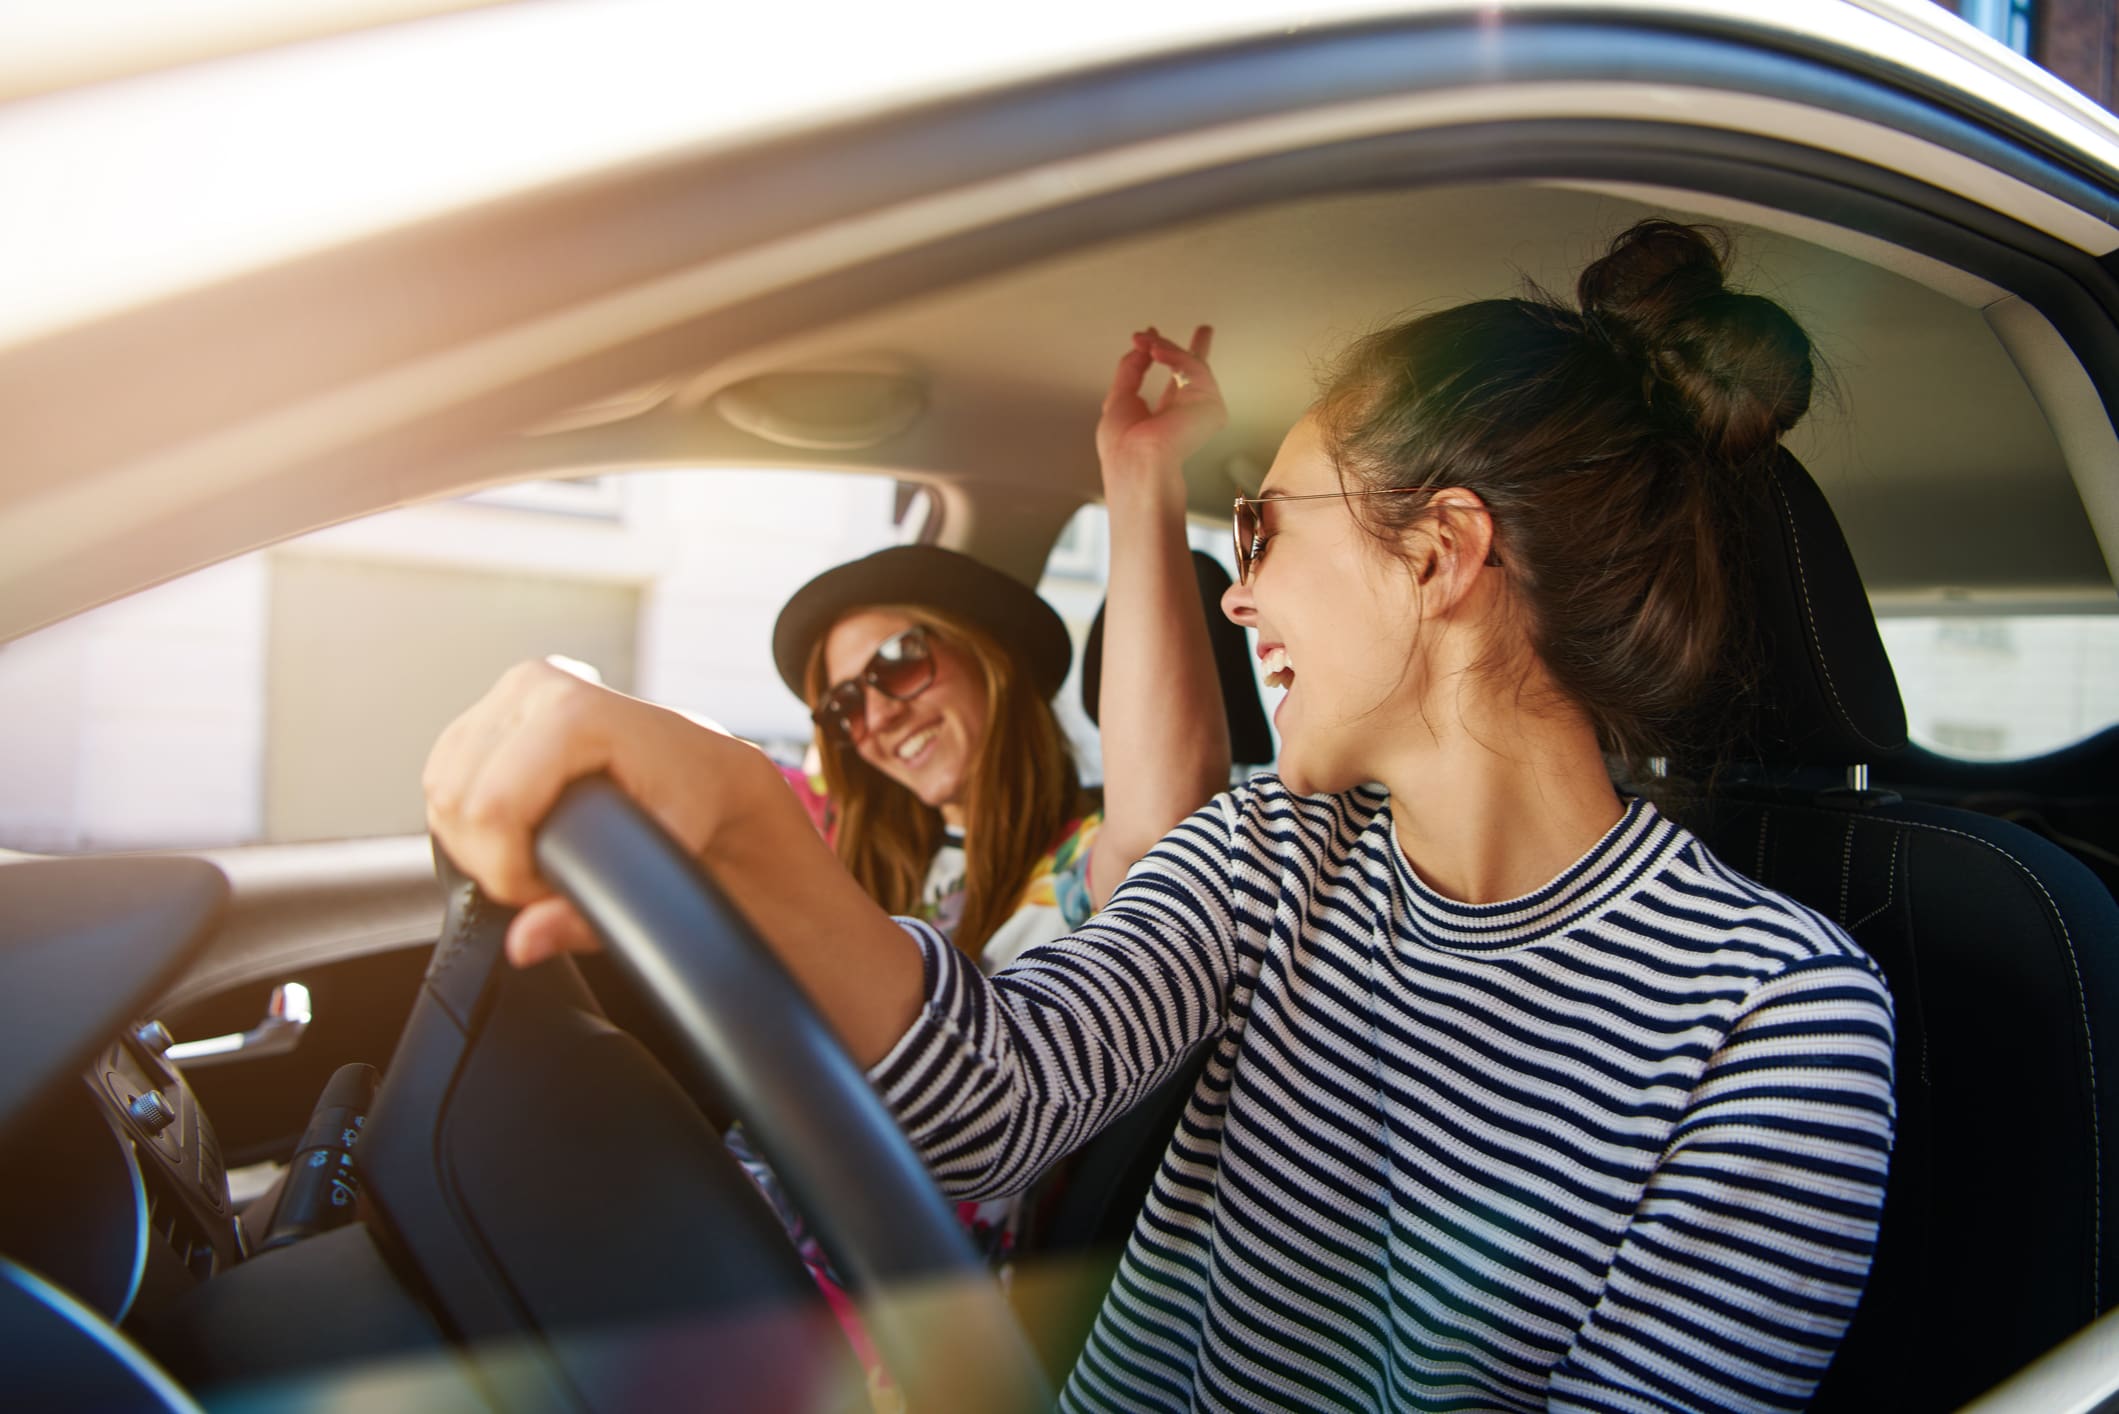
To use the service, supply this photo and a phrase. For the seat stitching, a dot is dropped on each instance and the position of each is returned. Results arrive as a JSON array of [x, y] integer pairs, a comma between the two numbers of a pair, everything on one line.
[[2089, 1052], [1890, 884], [1846, 872], [1817, 642], [1890, 893]]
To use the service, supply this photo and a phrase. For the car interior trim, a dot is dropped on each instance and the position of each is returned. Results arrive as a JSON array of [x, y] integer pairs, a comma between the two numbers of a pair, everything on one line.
[[2072, 406], [345, 898], [431, 387], [142, 1233], [1445, 155], [2051, 371], [151, 1378], [2078, 1376], [2000, 257], [84, 943], [1951, 281]]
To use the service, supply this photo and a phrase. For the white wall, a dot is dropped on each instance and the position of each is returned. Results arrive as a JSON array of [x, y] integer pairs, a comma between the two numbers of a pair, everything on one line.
[[735, 546], [137, 725], [2002, 687], [147, 724]]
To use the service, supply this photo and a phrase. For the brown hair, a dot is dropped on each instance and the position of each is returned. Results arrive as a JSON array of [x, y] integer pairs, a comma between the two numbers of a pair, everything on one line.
[[1023, 789], [1614, 443]]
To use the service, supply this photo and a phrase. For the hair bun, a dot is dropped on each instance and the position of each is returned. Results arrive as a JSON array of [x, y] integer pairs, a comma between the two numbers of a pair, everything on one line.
[[1739, 363]]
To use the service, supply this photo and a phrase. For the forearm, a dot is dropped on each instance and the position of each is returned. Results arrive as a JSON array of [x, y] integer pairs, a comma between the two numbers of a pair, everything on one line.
[[858, 966], [999, 1076], [1164, 730], [494, 774]]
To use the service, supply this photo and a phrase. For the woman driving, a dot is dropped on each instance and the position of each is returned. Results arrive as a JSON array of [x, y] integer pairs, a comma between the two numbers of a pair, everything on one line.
[[1517, 1096]]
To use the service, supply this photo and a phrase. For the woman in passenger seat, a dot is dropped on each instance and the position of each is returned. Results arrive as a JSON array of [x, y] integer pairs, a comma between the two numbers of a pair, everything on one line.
[[1518, 1097], [950, 792]]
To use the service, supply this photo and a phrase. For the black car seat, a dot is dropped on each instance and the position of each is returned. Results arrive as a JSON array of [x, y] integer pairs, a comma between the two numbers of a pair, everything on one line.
[[2002, 954], [1250, 739], [2069, 796]]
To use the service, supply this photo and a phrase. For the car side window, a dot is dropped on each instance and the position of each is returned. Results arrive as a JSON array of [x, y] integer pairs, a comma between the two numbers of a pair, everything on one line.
[[1987, 686], [1076, 572], [293, 694]]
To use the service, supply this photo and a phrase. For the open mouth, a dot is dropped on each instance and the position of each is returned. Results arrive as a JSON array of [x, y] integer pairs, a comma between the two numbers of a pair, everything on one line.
[[1278, 673], [913, 746]]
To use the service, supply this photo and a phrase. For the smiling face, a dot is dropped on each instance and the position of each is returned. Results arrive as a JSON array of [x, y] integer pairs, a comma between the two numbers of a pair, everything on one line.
[[930, 744], [1336, 626]]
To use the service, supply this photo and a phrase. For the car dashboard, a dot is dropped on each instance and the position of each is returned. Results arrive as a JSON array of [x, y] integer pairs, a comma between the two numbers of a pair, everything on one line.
[[125, 1263], [116, 1189], [535, 1210]]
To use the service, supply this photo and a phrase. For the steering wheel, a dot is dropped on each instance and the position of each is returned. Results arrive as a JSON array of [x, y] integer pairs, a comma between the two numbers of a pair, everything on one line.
[[936, 1314]]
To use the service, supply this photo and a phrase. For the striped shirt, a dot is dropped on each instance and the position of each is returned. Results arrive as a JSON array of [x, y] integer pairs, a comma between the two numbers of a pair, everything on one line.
[[1616, 1145]]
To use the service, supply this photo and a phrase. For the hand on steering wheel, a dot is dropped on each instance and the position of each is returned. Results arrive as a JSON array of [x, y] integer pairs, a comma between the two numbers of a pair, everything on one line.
[[498, 769]]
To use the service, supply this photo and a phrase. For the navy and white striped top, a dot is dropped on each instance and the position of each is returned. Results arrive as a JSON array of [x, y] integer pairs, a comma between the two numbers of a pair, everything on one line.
[[1616, 1145]]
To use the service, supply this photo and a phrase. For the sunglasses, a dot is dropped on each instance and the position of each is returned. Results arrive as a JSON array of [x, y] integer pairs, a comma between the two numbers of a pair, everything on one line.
[[901, 668], [1250, 525]]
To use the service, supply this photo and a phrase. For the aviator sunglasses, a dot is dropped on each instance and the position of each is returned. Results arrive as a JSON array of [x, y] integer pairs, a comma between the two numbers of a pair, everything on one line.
[[1250, 525], [901, 668]]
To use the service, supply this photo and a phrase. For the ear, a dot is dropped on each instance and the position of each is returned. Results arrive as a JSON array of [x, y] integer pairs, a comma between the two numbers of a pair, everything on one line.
[[1451, 546]]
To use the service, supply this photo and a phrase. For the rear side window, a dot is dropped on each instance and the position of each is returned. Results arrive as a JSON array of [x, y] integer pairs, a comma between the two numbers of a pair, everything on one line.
[[2000, 687], [1073, 584]]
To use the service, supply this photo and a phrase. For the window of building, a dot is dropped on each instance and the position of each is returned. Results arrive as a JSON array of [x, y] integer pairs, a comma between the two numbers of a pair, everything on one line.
[[566, 495], [2007, 20]]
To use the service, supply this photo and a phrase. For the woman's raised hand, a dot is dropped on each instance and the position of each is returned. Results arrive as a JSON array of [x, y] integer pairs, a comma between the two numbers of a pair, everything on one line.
[[498, 769], [1134, 439], [1165, 738]]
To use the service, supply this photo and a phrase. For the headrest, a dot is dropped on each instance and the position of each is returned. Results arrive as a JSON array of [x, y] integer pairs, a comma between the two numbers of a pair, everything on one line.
[[1250, 739], [1827, 695]]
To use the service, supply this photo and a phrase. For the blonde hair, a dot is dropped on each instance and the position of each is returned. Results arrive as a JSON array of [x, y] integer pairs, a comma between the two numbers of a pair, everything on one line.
[[1022, 790]]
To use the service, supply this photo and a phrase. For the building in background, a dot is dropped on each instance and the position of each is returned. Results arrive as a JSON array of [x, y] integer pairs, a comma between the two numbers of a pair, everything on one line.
[[2075, 40], [292, 694]]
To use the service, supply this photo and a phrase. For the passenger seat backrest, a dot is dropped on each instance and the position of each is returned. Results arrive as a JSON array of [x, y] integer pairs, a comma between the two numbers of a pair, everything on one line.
[[2002, 954], [1250, 738]]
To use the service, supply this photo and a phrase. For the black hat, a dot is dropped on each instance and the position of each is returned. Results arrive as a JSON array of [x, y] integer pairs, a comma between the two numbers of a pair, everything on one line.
[[926, 576]]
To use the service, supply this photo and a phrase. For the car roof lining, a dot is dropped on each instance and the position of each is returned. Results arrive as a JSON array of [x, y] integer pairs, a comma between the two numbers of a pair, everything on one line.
[[1927, 397]]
